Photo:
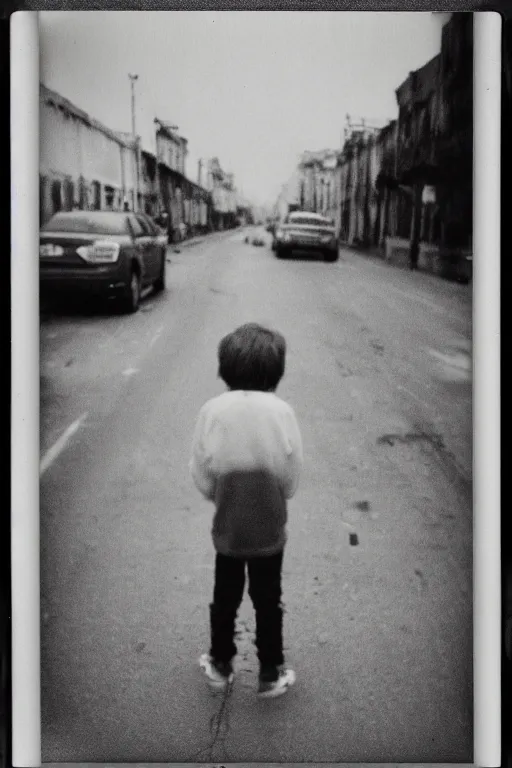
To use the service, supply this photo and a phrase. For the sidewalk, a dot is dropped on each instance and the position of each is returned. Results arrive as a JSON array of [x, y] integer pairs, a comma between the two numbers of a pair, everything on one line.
[[190, 242], [457, 271]]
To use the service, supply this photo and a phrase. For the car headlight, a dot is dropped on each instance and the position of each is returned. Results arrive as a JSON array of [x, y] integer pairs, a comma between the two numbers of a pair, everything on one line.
[[100, 252], [287, 237], [49, 249], [327, 238]]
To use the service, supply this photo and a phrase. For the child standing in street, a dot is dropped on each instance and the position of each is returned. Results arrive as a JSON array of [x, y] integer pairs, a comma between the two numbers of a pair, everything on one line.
[[246, 458]]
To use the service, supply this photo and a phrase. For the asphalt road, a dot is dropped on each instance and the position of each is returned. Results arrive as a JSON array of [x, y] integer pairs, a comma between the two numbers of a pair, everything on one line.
[[378, 631]]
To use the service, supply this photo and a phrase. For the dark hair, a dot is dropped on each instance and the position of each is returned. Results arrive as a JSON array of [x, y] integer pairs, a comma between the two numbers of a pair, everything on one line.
[[252, 357]]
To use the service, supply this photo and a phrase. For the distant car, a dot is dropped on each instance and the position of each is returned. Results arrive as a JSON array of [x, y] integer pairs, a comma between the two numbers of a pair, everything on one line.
[[304, 231], [104, 253]]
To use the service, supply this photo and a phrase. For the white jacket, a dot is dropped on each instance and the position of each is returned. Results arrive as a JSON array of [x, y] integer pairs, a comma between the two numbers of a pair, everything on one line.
[[247, 457]]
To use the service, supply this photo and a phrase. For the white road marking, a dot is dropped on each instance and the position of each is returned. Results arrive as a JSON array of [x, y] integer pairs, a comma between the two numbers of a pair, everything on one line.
[[57, 448], [460, 361], [156, 336], [130, 371]]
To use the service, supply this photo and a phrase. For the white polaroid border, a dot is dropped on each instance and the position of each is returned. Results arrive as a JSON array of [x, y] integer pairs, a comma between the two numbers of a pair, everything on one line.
[[26, 707], [486, 389]]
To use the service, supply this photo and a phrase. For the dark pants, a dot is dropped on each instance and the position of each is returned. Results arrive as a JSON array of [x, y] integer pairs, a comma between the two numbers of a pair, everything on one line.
[[265, 593]]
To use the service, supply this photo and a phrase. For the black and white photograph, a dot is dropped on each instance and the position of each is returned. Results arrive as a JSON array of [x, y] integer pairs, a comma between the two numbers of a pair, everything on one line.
[[256, 383]]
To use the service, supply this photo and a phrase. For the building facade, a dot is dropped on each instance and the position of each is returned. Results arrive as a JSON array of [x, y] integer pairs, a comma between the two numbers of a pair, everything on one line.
[[166, 188], [83, 164], [171, 148], [454, 151], [221, 186], [435, 155], [406, 187]]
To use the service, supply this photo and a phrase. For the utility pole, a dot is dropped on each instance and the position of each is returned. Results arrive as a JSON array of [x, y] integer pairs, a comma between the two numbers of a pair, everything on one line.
[[157, 169], [133, 79]]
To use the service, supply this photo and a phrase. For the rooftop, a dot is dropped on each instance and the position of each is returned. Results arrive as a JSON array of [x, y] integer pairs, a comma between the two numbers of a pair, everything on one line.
[[419, 84], [169, 130], [54, 98]]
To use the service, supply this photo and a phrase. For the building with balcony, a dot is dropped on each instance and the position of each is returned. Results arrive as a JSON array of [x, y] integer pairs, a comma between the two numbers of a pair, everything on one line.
[[434, 162]]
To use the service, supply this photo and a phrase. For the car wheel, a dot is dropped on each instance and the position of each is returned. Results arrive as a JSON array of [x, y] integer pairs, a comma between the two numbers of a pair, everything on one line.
[[159, 284], [331, 256], [131, 300], [281, 253]]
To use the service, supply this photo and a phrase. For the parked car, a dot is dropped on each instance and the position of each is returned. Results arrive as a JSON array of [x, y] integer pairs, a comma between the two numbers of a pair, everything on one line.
[[305, 231], [105, 253]]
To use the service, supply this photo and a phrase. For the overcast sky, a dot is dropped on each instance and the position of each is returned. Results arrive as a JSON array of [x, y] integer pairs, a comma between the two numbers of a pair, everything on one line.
[[252, 88]]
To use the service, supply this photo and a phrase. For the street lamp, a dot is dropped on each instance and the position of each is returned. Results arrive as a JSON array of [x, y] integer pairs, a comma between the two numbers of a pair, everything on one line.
[[133, 79]]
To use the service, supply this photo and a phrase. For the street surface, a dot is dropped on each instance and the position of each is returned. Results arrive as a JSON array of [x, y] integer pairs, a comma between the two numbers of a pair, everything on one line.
[[379, 630]]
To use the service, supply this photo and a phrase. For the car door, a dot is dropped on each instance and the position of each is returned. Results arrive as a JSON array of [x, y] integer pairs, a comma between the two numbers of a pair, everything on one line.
[[142, 247]]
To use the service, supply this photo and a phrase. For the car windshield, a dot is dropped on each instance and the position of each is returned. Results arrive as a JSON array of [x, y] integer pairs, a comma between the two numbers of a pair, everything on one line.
[[97, 223], [309, 221]]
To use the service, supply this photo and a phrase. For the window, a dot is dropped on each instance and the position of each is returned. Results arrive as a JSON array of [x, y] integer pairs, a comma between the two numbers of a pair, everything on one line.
[[82, 194], [69, 194], [56, 196], [42, 198], [109, 197], [90, 222], [96, 192]]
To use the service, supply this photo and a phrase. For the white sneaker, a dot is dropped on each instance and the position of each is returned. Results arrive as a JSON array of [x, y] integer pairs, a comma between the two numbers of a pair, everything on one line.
[[219, 678], [270, 690]]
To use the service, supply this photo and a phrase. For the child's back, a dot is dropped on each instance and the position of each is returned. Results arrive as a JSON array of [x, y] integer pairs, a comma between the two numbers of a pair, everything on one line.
[[246, 457], [250, 455]]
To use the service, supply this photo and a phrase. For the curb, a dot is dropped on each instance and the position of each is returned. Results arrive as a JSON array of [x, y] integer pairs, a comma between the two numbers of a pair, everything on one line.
[[189, 243], [196, 240]]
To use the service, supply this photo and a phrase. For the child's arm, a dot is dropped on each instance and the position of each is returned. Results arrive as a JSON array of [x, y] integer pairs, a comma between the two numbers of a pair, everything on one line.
[[294, 461], [201, 459]]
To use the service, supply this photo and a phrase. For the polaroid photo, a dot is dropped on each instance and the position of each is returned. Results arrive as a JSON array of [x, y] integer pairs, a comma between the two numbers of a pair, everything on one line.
[[255, 453]]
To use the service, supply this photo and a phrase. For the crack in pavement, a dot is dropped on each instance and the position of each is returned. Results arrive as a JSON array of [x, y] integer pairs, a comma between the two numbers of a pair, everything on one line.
[[435, 440], [219, 727]]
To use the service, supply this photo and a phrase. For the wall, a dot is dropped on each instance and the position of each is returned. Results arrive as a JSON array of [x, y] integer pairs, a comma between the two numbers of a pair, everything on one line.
[[80, 165], [172, 152]]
